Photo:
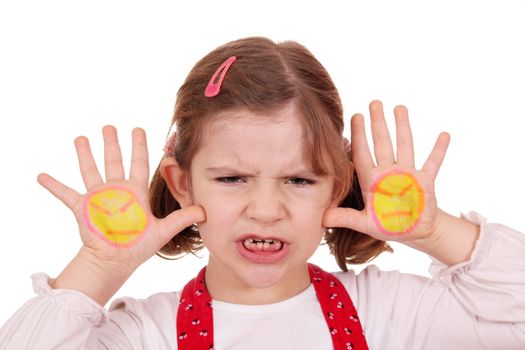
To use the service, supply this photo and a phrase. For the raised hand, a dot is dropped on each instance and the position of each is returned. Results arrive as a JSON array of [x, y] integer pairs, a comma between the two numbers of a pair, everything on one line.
[[115, 222], [400, 202]]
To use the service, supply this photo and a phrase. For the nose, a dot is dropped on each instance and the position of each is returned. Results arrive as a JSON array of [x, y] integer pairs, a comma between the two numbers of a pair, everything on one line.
[[266, 203]]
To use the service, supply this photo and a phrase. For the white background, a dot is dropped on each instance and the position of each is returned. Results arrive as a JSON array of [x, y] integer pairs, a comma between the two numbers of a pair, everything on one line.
[[67, 68]]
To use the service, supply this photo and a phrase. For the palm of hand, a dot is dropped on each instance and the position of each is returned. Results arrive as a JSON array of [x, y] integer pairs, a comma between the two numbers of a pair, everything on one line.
[[400, 204], [115, 222], [400, 201], [107, 227]]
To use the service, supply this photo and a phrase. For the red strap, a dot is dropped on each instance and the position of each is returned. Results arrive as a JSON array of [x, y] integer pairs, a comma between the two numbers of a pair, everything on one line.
[[338, 310], [195, 316], [195, 313]]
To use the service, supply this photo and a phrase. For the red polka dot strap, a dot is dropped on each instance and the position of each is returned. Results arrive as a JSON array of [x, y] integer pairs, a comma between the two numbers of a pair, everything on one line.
[[195, 313], [195, 316], [338, 309]]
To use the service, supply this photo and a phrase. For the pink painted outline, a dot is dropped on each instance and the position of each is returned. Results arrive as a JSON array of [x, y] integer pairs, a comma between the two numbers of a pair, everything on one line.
[[92, 227], [378, 223]]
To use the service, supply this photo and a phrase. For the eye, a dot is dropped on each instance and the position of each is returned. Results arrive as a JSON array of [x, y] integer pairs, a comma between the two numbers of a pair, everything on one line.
[[229, 179], [301, 181]]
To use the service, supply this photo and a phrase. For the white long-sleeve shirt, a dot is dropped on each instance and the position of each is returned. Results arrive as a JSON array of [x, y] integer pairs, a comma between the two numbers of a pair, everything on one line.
[[478, 304]]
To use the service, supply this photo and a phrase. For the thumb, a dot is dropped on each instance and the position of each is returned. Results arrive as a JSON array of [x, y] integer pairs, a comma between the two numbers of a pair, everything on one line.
[[345, 217], [177, 221], [65, 194]]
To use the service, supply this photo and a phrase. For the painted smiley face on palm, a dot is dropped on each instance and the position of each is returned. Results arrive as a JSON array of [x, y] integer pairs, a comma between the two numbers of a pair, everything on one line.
[[398, 202], [115, 215]]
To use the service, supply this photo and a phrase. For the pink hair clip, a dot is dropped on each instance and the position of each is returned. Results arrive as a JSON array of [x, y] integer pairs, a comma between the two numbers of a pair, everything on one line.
[[347, 145], [213, 87], [169, 148]]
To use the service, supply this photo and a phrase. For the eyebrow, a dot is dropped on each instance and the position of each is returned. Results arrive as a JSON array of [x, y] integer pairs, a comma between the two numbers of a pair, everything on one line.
[[228, 170]]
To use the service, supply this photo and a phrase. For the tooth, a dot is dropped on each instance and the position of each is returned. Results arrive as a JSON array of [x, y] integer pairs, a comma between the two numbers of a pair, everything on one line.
[[265, 245], [249, 244]]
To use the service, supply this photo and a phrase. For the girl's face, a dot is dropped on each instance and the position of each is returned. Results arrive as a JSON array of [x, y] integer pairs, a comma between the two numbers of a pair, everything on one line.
[[263, 205]]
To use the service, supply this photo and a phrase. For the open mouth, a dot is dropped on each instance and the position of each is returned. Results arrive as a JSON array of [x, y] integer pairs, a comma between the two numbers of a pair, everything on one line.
[[262, 245], [263, 251]]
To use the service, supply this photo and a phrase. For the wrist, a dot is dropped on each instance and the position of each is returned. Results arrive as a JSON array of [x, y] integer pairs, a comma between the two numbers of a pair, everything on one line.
[[452, 241], [97, 279]]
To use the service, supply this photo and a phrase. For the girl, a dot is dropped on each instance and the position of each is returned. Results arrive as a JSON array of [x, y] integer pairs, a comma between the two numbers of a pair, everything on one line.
[[257, 171]]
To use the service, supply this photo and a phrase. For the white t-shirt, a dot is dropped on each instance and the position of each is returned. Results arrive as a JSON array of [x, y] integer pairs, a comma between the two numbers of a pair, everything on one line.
[[479, 304]]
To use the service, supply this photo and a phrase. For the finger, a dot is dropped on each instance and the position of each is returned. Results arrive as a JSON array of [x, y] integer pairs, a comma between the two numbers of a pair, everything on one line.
[[361, 155], [436, 157], [112, 154], [88, 167], [382, 143], [177, 221], [345, 217], [139, 170], [405, 143], [65, 194]]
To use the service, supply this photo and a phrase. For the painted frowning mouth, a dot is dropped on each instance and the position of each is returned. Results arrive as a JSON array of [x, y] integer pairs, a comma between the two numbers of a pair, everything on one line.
[[110, 232], [396, 213]]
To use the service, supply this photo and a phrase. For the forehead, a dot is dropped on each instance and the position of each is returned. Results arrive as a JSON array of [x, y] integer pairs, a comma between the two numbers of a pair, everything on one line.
[[255, 140]]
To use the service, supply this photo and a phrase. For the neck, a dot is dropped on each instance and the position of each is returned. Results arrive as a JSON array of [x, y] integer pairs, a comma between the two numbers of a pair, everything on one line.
[[225, 285]]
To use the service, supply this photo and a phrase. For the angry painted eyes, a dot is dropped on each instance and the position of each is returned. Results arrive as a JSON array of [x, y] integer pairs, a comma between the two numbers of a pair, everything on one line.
[[398, 202], [115, 215]]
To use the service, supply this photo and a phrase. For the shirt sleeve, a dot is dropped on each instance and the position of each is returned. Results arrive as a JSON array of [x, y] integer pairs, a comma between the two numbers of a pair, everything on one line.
[[68, 319], [478, 304]]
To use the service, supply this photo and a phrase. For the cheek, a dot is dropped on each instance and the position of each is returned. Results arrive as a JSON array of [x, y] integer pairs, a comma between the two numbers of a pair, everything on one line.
[[307, 218], [220, 213], [314, 206]]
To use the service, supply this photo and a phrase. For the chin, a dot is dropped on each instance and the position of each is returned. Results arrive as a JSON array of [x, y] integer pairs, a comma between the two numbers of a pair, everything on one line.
[[279, 277], [263, 276]]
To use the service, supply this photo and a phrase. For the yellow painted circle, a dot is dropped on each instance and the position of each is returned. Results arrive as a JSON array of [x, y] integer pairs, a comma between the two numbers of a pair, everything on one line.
[[116, 215], [398, 202]]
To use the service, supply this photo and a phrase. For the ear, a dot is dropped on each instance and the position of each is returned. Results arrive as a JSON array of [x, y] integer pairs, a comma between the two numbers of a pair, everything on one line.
[[178, 181]]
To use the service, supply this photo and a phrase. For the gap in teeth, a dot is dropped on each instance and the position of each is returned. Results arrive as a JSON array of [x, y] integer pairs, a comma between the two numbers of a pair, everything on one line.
[[262, 244], [270, 241]]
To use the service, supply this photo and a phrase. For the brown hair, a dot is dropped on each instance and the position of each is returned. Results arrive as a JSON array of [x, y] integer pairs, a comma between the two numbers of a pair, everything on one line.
[[266, 77]]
